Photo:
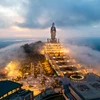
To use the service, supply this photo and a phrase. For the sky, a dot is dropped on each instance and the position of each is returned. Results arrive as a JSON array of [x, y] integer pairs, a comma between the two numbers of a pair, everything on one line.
[[33, 18]]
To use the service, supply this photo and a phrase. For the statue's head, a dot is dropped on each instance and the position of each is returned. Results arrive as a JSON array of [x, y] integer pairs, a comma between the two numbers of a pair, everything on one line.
[[53, 24]]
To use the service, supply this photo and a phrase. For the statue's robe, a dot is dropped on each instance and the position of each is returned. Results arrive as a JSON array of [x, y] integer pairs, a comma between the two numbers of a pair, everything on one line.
[[53, 33]]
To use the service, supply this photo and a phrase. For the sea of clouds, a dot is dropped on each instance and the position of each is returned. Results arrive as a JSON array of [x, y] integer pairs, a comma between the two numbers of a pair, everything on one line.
[[83, 54]]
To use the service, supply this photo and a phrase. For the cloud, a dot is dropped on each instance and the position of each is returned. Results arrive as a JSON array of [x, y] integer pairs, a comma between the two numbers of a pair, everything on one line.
[[41, 13], [9, 11], [77, 16], [12, 53], [65, 13], [86, 56]]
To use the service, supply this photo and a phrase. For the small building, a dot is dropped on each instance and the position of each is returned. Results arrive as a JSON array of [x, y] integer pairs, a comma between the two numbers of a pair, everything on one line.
[[10, 90]]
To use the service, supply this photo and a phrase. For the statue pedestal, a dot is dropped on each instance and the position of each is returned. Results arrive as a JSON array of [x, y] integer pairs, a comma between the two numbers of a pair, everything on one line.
[[53, 40]]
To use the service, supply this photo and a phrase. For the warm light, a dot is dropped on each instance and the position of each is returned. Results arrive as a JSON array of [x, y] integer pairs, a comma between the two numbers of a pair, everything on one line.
[[64, 72], [66, 50], [12, 70]]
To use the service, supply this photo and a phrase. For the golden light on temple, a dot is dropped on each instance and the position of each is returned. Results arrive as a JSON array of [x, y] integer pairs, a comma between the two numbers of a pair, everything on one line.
[[66, 50], [12, 70]]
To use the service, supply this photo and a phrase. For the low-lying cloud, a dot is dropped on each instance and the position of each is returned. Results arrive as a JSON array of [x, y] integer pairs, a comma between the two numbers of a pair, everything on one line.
[[12, 53], [85, 56]]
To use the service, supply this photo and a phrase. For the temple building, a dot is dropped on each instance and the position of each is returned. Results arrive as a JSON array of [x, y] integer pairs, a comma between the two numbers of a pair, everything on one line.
[[10, 90]]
